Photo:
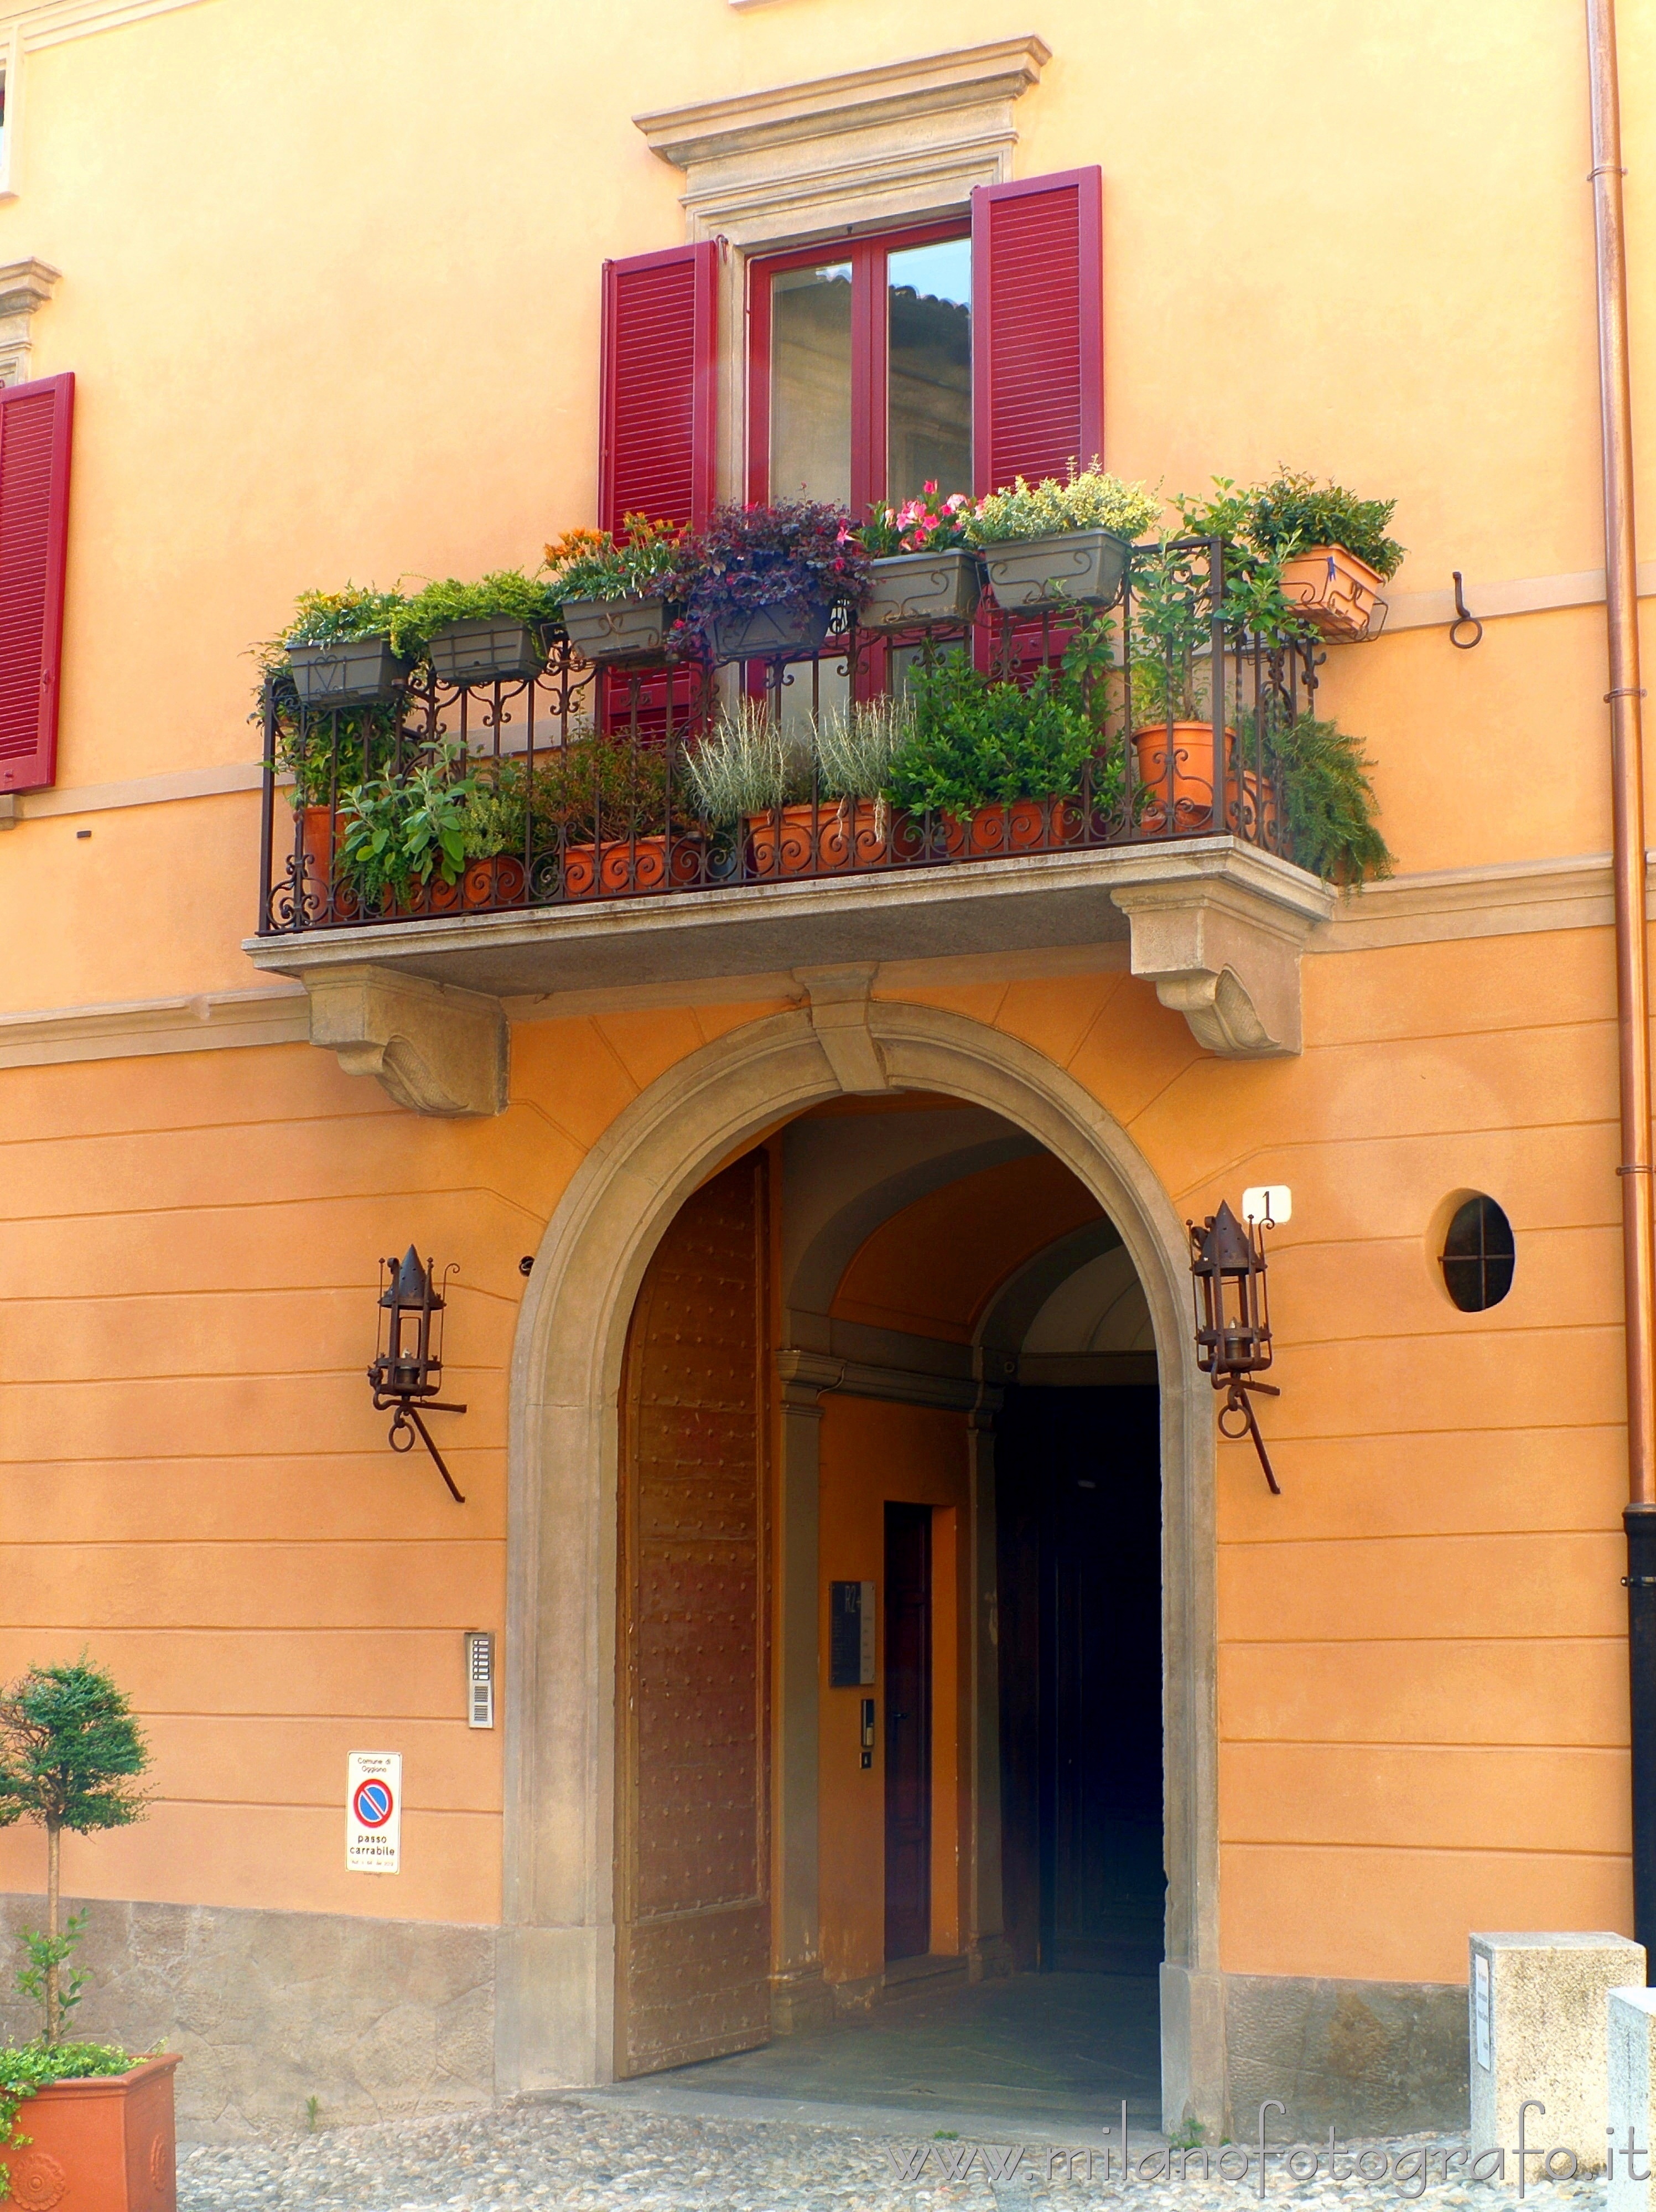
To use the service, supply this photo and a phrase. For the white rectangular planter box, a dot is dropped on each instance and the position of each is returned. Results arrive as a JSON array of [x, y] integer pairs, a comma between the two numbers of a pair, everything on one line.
[[616, 630], [488, 650], [346, 675]]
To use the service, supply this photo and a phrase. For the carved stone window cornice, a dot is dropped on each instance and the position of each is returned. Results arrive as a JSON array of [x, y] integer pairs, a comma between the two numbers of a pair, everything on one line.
[[875, 146], [24, 286]]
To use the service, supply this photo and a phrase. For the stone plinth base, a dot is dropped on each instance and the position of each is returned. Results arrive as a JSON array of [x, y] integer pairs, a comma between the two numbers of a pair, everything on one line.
[[1538, 2028], [1632, 2097]]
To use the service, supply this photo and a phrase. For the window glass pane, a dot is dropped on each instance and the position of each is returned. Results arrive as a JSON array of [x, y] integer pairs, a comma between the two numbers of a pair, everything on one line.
[[811, 383], [929, 297], [1478, 1255]]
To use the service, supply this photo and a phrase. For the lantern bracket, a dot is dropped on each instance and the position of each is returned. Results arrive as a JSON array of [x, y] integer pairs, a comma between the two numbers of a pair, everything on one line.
[[406, 1423], [1237, 1401]]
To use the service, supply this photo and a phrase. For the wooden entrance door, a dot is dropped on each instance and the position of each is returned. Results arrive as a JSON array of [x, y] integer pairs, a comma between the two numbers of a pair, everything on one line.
[[692, 1860], [907, 1731]]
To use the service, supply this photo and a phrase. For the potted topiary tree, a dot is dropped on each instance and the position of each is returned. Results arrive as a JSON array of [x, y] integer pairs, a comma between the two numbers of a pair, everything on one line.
[[82, 2121], [1057, 544]]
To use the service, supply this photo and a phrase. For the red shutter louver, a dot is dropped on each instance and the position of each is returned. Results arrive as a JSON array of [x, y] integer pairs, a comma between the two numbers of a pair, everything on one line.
[[659, 381], [34, 438], [657, 438], [1038, 336]]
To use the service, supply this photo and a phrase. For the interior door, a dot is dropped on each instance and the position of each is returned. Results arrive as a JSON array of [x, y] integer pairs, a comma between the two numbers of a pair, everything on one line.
[[692, 1884], [907, 1731]]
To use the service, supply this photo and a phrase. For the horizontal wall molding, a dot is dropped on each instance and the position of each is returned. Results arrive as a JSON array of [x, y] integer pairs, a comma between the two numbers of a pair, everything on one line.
[[52, 22], [139, 791], [210, 1022], [1508, 898], [1522, 595]]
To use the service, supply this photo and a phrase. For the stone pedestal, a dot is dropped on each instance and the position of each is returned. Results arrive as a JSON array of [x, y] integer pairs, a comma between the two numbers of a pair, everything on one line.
[[1632, 2097], [1536, 2006]]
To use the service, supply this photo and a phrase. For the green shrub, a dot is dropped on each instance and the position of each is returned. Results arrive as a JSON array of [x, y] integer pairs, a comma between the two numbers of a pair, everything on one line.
[[506, 596], [976, 742]]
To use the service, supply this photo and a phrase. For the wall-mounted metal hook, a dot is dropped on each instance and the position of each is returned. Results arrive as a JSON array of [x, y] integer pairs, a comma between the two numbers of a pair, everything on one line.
[[1465, 619]]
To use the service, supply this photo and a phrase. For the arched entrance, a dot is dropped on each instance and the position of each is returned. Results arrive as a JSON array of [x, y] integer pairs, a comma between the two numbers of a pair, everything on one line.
[[556, 2011]]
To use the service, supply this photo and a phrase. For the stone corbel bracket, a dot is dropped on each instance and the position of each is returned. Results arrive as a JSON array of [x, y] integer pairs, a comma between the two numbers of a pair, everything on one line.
[[838, 1013], [1224, 953], [436, 1049]]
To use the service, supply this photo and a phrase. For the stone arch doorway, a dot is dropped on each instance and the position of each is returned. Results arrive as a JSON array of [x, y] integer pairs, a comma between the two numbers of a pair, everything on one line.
[[556, 2007]]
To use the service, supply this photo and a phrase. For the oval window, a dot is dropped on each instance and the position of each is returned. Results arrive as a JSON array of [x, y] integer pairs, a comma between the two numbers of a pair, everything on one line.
[[1478, 1255]]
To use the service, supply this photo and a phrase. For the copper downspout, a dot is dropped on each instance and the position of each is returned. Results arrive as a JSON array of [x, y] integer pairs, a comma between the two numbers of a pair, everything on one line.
[[1624, 700]]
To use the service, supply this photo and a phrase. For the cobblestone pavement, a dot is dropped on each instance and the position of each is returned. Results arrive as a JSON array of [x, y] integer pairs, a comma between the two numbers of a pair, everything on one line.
[[593, 2156]]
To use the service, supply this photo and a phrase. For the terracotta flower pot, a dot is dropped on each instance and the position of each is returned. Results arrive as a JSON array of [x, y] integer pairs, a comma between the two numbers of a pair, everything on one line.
[[322, 832], [1022, 825], [495, 882], [1335, 591], [613, 870], [103, 2145], [1250, 807], [1191, 746], [830, 839]]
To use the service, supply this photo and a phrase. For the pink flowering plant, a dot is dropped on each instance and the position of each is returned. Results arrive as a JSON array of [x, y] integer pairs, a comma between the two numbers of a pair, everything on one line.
[[929, 524], [792, 555]]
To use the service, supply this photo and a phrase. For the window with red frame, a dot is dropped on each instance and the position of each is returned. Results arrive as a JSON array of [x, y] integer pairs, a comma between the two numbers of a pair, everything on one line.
[[860, 370]]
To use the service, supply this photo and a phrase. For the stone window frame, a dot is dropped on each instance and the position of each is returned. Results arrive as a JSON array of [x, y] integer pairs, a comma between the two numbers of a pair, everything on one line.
[[873, 149], [11, 86]]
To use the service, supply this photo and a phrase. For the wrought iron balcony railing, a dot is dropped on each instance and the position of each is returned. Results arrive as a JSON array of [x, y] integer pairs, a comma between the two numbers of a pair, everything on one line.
[[576, 783]]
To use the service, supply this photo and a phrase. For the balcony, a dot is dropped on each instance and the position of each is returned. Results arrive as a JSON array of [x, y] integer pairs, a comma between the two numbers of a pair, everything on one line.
[[592, 859]]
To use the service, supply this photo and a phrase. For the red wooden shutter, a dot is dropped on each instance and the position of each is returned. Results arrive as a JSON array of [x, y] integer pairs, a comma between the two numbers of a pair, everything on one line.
[[34, 434], [1038, 327], [660, 378]]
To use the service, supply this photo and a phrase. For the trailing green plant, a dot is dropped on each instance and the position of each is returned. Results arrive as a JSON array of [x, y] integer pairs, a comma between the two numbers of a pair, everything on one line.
[[976, 742], [508, 595], [1088, 499], [403, 829], [929, 524], [341, 617], [24, 2068], [363, 735], [1328, 800], [857, 745], [70, 1752], [747, 764], [787, 558], [593, 564]]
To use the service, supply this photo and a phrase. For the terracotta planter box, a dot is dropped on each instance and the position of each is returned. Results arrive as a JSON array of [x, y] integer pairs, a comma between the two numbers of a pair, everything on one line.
[[322, 833], [346, 675], [613, 632], [1023, 825], [912, 591], [769, 632], [1034, 575], [98, 2146], [632, 864], [486, 652], [830, 839], [1338, 592]]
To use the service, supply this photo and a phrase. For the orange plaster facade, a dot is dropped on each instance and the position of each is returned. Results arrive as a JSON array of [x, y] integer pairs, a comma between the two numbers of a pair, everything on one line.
[[1421, 1653]]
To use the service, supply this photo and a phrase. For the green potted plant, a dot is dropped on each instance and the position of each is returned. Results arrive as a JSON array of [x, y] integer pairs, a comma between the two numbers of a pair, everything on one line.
[[338, 646], [1331, 826], [81, 2122], [855, 748], [604, 823], [763, 581], [614, 591], [495, 631], [403, 850], [922, 570], [1009, 768], [753, 776], [1171, 688], [1054, 545], [1332, 548]]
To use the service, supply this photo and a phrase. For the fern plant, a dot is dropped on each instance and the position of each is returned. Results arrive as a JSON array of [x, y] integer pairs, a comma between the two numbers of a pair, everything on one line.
[[1329, 802]]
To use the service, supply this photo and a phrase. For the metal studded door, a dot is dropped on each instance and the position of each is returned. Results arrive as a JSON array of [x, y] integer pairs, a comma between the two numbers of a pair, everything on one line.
[[692, 1871]]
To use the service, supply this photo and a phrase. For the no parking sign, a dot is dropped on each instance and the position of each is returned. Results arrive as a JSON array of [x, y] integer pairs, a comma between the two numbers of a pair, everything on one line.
[[374, 1811]]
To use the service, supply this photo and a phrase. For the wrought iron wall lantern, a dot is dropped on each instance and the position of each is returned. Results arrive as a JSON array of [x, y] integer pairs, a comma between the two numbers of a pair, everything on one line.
[[407, 1369], [1232, 1310]]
